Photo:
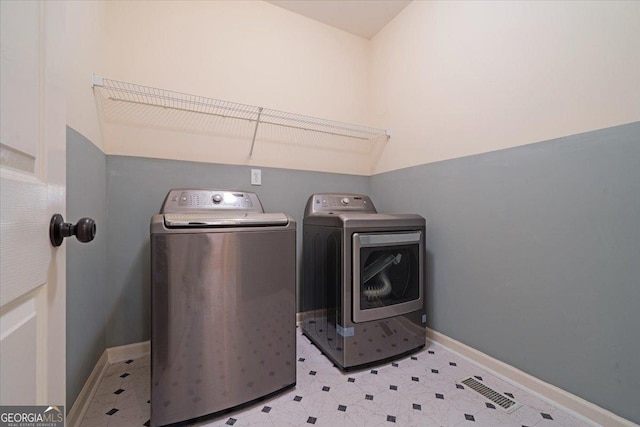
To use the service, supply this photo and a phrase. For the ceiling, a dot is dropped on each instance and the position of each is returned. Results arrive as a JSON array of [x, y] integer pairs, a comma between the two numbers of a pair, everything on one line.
[[363, 18]]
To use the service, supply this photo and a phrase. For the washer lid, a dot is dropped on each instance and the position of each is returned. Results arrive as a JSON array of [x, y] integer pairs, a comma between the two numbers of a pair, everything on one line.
[[224, 219]]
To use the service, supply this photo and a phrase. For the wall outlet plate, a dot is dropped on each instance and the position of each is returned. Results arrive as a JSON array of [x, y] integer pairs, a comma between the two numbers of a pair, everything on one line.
[[256, 177]]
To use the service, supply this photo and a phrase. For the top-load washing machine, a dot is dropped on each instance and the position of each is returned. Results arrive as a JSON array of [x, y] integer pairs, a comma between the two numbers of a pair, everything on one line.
[[223, 292], [363, 280]]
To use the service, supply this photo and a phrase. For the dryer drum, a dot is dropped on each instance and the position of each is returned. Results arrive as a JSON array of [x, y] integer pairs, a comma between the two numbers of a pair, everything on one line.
[[380, 264], [380, 289], [377, 284]]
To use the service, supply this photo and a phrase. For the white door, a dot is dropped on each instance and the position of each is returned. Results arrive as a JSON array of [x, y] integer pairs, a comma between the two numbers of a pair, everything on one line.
[[32, 175]]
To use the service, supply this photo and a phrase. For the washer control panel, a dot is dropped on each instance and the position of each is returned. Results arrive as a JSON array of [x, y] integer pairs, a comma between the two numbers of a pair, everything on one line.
[[207, 200], [330, 203]]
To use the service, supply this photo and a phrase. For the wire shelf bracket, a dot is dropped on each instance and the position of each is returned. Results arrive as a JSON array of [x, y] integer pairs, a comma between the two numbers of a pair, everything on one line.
[[130, 92]]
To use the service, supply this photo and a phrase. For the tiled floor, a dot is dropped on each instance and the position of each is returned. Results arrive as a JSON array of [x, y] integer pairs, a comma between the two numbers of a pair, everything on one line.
[[419, 390]]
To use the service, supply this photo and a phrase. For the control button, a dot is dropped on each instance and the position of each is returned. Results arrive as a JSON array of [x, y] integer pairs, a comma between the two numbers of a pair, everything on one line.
[[217, 198], [345, 201]]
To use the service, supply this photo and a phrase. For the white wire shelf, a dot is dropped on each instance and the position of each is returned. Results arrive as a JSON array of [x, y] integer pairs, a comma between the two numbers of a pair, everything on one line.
[[138, 94]]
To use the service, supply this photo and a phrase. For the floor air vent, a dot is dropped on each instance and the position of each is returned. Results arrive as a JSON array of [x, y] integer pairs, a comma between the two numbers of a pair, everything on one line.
[[503, 402]]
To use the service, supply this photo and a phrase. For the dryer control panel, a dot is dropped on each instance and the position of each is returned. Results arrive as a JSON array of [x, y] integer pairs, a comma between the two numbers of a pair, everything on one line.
[[333, 202], [207, 200]]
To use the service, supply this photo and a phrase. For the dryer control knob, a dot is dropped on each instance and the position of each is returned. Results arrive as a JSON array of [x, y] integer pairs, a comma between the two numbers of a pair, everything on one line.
[[217, 198], [345, 201]]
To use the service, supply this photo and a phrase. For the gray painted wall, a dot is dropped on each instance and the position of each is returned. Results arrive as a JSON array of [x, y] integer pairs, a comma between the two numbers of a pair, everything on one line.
[[534, 257], [86, 263], [136, 188], [533, 252]]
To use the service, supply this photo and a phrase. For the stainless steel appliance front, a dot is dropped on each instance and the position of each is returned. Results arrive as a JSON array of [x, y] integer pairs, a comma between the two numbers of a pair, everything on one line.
[[362, 294], [223, 312]]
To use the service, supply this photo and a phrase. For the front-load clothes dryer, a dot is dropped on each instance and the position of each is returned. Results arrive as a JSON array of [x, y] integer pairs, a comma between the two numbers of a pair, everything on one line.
[[223, 295], [363, 280]]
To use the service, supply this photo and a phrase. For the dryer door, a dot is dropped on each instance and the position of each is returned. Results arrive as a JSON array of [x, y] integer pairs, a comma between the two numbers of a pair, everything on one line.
[[387, 274]]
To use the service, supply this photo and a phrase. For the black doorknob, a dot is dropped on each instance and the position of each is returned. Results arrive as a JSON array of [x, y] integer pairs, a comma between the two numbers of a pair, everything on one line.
[[84, 230]]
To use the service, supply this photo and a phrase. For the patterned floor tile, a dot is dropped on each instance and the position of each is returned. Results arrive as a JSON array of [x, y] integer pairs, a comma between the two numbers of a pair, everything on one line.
[[423, 389]]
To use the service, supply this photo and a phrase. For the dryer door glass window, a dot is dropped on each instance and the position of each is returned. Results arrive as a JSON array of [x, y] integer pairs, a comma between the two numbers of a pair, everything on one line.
[[387, 274]]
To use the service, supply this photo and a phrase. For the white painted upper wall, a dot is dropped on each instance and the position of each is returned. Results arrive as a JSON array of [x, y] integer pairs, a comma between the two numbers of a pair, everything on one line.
[[449, 78], [85, 43], [250, 52], [459, 78]]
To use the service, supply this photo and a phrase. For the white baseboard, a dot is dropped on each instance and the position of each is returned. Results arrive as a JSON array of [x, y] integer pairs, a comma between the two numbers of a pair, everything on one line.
[[110, 355], [129, 351], [548, 392], [80, 406]]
